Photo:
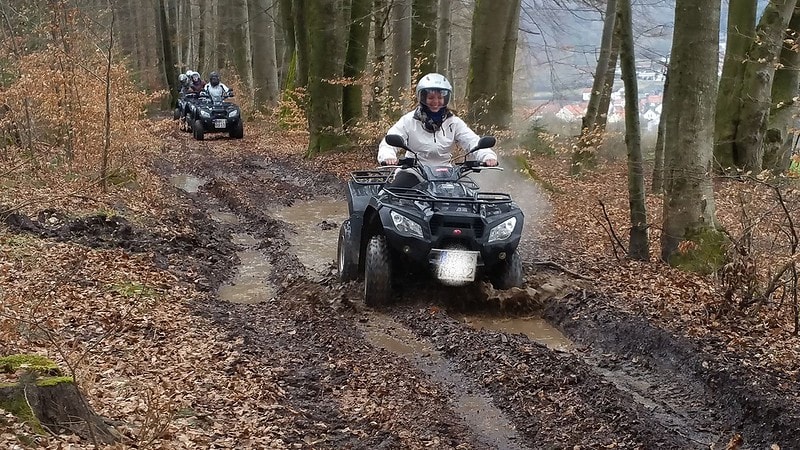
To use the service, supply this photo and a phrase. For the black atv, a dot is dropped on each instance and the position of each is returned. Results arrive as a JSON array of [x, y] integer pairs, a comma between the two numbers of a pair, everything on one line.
[[184, 110], [432, 218], [216, 116]]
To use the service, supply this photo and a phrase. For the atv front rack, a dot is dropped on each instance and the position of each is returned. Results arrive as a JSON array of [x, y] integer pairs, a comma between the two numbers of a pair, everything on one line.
[[488, 198], [372, 176]]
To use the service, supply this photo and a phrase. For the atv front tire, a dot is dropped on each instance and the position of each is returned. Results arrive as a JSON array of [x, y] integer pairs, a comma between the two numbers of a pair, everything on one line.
[[176, 114], [508, 273], [377, 272], [197, 130], [348, 269], [237, 132]]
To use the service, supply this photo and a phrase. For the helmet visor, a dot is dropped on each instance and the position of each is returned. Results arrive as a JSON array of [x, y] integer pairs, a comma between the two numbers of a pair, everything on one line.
[[434, 97]]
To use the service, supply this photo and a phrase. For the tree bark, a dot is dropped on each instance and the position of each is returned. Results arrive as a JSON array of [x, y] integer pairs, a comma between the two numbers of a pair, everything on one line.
[[443, 38], [658, 165], [265, 64], [301, 41], [491, 63], [380, 18], [603, 61], [166, 32], [288, 48], [759, 72], [784, 108], [689, 195], [356, 61], [423, 36], [325, 64], [639, 247], [240, 44], [590, 134], [401, 53]]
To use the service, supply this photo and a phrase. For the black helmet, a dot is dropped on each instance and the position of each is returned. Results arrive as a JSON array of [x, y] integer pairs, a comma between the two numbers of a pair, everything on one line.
[[213, 78]]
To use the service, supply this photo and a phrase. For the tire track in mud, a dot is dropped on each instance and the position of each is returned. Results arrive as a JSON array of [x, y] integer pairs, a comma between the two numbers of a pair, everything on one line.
[[602, 396]]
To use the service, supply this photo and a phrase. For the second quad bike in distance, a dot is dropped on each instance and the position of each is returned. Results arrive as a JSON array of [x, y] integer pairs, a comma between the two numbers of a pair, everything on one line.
[[215, 115], [442, 224]]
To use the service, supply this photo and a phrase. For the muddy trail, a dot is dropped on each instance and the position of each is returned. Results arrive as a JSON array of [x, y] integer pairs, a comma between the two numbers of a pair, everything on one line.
[[550, 366]]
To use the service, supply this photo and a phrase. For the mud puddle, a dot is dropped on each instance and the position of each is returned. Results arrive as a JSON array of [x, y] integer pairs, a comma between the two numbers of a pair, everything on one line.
[[489, 423], [315, 230], [250, 284], [187, 182], [535, 328]]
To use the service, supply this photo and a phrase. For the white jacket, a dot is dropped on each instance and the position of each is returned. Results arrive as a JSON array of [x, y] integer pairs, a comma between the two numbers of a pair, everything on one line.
[[433, 148], [217, 91]]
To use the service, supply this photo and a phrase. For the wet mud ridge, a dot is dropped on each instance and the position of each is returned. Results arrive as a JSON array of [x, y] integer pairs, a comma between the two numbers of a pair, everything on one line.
[[442, 367]]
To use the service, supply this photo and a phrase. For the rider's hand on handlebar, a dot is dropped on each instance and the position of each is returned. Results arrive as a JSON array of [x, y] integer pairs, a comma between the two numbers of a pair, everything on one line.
[[491, 162], [389, 162]]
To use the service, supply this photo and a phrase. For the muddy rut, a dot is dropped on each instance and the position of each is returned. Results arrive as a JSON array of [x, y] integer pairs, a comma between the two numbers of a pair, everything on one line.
[[551, 366], [445, 367]]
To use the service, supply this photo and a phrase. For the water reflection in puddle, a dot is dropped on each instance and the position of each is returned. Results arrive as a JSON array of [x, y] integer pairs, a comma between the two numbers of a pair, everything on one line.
[[489, 422], [250, 284], [224, 217], [317, 230], [187, 182], [535, 328]]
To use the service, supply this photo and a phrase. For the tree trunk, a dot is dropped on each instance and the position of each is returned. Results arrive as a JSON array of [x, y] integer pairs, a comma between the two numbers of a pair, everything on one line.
[[401, 56], [240, 44], [288, 48], [356, 61], [639, 247], [379, 35], [265, 66], [759, 71], [590, 135], [689, 195], [423, 36], [220, 16], [325, 64], [778, 139], [443, 38], [166, 32], [301, 40], [603, 61], [198, 33], [605, 96], [491, 61], [658, 165]]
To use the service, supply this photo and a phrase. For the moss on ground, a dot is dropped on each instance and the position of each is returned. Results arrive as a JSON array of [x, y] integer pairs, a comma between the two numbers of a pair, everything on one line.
[[706, 254], [32, 363], [17, 405], [53, 381]]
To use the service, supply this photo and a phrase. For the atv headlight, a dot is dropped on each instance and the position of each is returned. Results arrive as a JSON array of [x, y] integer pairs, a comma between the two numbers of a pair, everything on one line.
[[204, 113], [234, 113], [406, 226], [503, 231]]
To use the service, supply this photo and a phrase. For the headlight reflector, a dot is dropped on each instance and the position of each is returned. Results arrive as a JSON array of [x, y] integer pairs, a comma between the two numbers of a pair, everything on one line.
[[233, 113], [503, 231], [406, 226], [204, 113]]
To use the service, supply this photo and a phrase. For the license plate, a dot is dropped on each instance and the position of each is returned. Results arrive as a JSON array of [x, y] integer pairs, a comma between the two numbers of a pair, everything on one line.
[[220, 123], [457, 265]]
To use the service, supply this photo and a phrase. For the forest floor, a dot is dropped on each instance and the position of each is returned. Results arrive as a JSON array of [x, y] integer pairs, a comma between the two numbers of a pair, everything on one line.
[[213, 318]]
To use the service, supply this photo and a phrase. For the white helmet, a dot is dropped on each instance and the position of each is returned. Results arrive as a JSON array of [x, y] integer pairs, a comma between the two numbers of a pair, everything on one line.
[[183, 78], [434, 81], [189, 73]]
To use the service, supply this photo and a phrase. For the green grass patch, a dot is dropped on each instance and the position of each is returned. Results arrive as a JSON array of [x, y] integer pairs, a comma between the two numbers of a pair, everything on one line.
[[133, 289]]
